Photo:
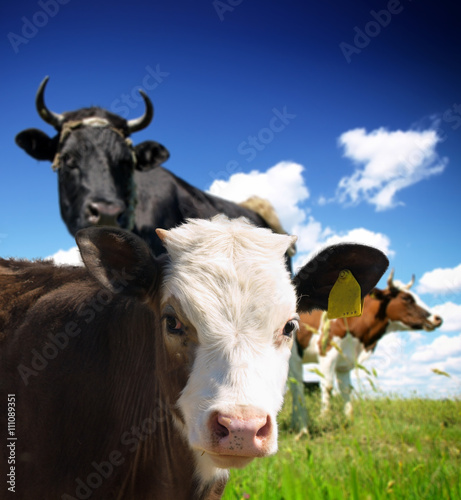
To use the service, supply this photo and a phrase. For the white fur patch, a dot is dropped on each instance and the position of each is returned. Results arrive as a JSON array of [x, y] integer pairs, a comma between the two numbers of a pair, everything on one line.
[[94, 121]]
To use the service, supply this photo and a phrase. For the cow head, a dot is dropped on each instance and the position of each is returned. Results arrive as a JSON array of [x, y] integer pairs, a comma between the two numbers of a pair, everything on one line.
[[229, 313], [95, 161], [404, 308]]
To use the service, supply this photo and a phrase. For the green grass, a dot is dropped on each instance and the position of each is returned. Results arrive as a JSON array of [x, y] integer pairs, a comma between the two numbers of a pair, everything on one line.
[[393, 449]]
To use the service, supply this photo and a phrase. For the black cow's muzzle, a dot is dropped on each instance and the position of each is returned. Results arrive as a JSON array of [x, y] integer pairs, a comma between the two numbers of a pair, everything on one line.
[[102, 213]]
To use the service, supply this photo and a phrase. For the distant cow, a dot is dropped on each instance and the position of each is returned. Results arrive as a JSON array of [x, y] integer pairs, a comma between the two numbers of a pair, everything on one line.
[[105, 180], [337, 345], [140, 377]]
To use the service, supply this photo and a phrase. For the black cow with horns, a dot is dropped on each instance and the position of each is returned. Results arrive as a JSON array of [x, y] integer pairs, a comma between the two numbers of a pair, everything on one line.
[[105, 180]]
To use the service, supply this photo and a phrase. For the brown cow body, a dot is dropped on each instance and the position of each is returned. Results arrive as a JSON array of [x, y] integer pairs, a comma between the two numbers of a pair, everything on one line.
[[337, 345], [103, 374], [143, 378]]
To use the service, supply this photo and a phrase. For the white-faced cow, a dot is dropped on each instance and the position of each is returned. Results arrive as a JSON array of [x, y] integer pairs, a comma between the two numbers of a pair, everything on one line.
[[141, 377], [338, 344], [105, 180]]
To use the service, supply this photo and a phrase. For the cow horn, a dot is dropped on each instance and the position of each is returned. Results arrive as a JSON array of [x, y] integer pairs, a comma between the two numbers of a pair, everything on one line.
[[390, 280], [411, 283], [54, 119], [143, 121]]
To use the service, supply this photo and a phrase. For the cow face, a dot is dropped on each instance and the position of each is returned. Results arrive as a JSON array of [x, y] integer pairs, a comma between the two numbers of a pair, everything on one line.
[[96, 177], [95, 161], [95, 166], [228, 315], [230, 312], [406, 311]]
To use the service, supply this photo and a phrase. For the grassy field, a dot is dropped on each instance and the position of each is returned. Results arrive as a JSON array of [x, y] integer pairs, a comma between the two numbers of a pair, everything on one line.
[[393, 449]]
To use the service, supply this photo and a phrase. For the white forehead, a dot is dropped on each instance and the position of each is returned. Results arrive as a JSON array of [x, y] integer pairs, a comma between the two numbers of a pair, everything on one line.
[[225, 237], [229, 275]]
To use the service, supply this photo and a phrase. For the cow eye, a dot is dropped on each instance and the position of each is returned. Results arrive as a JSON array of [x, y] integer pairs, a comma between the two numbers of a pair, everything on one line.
[[68, 161], [173, 325], [290, 328]]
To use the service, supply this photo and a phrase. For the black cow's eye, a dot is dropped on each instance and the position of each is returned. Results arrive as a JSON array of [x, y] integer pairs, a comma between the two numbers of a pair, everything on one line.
[[173, 325], [290, 328], [68, 161]]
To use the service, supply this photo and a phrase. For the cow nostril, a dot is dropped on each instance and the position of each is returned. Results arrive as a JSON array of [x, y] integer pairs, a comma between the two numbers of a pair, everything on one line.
[[266, 429], [92, 213], [218, 427], [93, 209]]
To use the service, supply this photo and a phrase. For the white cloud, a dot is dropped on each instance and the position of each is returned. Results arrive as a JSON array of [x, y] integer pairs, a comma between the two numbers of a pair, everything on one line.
[[67, 257], [310, 235], [364, 236], [322, 201], [283, 185], [451, 315], [386, 162], [441, 281], [440, 349], [415, 336]]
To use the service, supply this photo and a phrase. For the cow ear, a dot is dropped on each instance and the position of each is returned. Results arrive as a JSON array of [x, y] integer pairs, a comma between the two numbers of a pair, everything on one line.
[[119, 260], [150, 154], [315, 280], [37, 144]]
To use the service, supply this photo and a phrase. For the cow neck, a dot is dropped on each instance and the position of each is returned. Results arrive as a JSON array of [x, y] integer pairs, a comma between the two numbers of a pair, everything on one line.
[[380, 320]]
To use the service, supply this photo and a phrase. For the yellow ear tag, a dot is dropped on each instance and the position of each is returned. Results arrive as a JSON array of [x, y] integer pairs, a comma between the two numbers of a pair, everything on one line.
[[345, 300]]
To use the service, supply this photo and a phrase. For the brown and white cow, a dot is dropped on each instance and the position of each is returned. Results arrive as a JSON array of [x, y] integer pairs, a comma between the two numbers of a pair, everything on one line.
[[338, 344], [142, 377]]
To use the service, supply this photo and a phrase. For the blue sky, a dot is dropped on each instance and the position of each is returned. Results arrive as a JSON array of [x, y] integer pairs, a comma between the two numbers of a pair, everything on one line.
[[347, 117]]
